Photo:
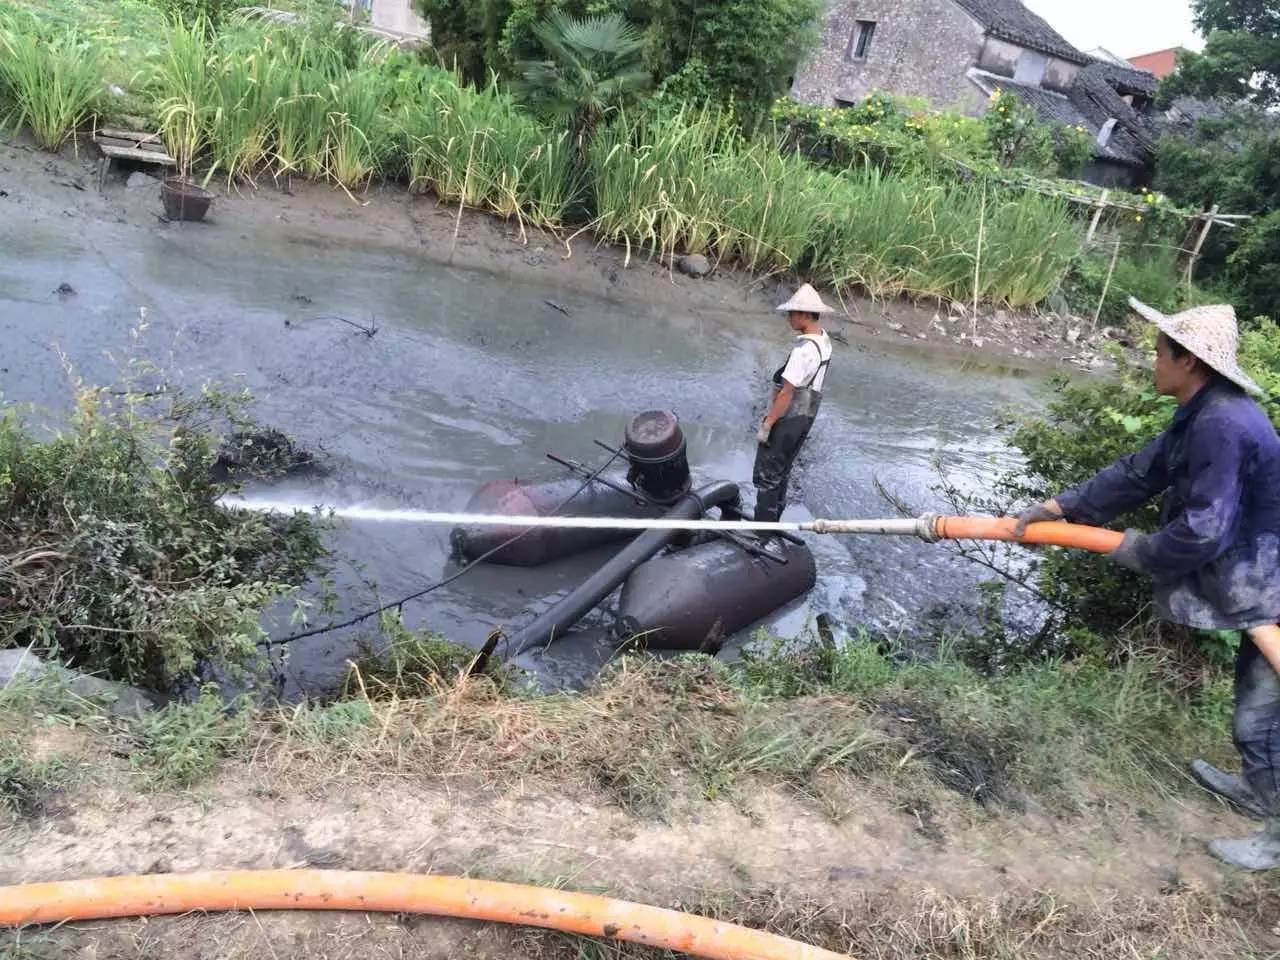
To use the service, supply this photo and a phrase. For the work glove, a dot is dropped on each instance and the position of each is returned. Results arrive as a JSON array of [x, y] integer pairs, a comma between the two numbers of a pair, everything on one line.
[[1129, 553], [762, 435], [1040, 513]]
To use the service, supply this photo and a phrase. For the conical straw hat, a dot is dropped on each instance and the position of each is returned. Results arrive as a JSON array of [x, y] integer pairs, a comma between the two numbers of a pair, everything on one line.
[[806, 300], [1210, 333]]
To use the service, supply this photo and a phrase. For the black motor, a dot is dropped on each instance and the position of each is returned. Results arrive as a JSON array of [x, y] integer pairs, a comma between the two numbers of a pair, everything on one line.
[[655, 448]]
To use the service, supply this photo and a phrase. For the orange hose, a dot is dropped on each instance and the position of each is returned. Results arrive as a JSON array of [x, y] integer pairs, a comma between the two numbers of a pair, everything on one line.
[[581, 913], [1072, 535]]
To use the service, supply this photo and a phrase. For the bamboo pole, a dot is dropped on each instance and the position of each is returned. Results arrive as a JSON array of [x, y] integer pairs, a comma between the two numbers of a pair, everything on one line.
[[977, 262], [1106, 287], [1097, 216], [1204, 234]]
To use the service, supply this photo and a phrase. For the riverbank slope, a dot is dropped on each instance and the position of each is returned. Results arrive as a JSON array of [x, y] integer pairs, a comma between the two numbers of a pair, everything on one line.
[[37, 185]]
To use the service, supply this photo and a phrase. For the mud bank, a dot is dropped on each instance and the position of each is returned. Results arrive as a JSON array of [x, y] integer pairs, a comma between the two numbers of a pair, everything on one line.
[[386, 216]]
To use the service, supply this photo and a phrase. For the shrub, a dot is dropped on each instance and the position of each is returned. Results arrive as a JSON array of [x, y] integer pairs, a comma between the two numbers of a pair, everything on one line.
[[1151, 276], [115, 554], [883, 132], [1072, 149], [1017, 136]]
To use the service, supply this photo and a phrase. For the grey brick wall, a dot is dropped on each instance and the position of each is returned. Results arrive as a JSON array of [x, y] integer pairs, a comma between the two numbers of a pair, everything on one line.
[[922, 48]]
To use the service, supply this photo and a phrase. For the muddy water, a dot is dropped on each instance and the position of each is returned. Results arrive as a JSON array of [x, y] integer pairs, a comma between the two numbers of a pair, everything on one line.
[[470, 378]]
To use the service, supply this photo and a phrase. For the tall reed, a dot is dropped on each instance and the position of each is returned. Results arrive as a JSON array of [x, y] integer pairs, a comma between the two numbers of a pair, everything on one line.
[[52, 84], [254, 97], [690, 183], [478, 148]]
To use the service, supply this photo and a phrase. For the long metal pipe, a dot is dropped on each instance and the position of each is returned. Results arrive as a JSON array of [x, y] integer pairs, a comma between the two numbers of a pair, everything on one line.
[[560, 618]]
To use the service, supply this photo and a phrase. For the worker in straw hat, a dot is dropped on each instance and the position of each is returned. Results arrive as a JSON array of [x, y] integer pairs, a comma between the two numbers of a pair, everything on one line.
[[797, 387], [1216, 558]]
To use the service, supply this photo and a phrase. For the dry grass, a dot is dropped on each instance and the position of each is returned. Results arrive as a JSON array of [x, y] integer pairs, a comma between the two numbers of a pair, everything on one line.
[[650, 736], [929, 925], [924, 925]]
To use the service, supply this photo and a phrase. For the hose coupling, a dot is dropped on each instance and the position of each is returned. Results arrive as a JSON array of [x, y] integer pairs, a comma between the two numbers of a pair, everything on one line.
[[927, 528]]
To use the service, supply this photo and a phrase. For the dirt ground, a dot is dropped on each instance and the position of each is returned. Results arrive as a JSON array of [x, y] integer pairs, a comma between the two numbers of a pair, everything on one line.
[[35, 184], [871, 869]]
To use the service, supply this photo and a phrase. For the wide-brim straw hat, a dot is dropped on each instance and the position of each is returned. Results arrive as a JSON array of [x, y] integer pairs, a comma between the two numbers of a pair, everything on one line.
[[1210, 333], [805, 300]]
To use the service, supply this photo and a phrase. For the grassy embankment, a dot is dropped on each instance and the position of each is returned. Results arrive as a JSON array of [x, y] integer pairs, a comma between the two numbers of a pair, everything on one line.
[[253, 100], [835, 729]]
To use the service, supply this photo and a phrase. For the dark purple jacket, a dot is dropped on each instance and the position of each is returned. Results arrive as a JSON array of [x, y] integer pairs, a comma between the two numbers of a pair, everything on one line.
[[1216, 558]]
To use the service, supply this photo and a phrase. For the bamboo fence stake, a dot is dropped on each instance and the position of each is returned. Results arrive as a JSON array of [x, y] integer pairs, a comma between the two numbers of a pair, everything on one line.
[[1097, 216], [1204, 234], [977, 263], [1106, 287]]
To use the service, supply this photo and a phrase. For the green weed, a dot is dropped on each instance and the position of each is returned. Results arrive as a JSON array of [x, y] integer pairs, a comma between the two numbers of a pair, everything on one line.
[[409, 664], [116, 558], [184, 742], [25, 784], [334, 724], [1151, 276], [1054, 729]]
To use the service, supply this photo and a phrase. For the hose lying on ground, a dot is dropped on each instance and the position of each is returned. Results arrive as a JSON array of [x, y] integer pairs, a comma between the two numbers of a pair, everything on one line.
[[587, 914]]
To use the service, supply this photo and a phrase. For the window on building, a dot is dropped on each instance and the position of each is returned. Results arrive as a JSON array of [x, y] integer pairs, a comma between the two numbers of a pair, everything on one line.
[[1031, 68], [860, 42]]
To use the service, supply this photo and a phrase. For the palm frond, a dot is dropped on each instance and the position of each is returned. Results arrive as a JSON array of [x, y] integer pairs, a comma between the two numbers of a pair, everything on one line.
[[608, 35]]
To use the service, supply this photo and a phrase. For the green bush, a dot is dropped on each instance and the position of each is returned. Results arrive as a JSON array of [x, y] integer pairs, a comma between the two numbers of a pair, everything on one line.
[[885, 132], [115, 554], [1017, 136], [1072, 149], [1230, 161], [748, 49]]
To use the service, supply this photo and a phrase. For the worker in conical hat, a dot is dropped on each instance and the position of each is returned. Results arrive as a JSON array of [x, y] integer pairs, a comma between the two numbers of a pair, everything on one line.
[[1216, 558], [798, 386]]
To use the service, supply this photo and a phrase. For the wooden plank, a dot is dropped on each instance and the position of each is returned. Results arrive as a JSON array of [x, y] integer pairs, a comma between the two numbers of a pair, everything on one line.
[[115, 142], [133, 153], [134, 135]]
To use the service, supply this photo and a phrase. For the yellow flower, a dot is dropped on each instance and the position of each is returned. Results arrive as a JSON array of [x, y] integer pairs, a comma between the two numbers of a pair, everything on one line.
[[1138, 218]]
